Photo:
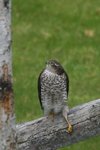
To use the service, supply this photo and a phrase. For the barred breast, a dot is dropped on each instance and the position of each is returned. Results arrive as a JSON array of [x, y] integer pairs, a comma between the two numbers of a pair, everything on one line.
[[53, 91]]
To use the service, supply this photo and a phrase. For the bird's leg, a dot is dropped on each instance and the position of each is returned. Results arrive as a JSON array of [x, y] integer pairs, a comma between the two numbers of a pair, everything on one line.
[[65, 115], [52, 115]]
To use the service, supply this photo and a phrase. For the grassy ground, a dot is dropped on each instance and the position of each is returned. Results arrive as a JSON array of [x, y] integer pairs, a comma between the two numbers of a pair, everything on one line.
[[68, 31]]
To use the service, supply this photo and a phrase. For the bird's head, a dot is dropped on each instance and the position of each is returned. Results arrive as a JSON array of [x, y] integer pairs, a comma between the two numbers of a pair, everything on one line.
[[54, 67]]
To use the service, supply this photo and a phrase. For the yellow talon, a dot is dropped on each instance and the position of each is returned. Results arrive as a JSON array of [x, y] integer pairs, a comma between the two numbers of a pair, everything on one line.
[[70, 128]]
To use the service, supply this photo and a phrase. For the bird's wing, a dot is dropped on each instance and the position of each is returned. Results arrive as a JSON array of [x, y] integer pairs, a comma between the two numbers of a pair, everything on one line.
[[67, 83], [39, 89]]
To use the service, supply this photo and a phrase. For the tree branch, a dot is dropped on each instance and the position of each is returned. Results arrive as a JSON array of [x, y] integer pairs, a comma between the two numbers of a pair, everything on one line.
[[7, 116], [43, 134]]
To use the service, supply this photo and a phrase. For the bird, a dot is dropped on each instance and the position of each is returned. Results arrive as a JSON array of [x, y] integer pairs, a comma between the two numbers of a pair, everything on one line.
[[53, 88]]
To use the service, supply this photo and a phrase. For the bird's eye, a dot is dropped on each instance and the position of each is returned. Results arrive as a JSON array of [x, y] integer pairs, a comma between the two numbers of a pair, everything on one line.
[[52, 63]]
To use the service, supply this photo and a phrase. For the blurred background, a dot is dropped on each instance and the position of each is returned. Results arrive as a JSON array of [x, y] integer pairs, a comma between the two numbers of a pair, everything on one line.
[[66, 30]]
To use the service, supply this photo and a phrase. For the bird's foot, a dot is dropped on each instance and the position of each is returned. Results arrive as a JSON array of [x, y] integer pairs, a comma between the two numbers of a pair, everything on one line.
[[69, 129]]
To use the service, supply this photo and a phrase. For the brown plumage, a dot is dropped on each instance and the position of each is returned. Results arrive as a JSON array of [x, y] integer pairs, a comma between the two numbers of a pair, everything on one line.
[[53, 87]]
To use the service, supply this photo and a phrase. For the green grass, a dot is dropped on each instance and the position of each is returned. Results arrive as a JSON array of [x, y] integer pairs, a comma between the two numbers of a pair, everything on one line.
[[68, 31]]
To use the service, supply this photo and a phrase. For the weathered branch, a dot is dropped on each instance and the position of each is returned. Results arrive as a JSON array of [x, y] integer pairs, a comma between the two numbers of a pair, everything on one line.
[[43, 134], [7, 116]]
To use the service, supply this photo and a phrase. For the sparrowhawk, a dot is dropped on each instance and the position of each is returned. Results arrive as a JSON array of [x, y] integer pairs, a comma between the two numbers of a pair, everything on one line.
[[53, 87]]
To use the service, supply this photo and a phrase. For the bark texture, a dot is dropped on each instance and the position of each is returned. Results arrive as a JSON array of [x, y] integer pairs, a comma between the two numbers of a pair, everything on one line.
[[7, 117], [43, 134]]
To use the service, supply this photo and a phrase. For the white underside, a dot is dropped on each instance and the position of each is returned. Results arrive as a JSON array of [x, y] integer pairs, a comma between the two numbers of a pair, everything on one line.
[[53, 92]]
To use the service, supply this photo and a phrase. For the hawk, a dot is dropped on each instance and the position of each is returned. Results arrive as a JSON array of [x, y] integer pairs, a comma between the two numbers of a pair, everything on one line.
[[53, 87]]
